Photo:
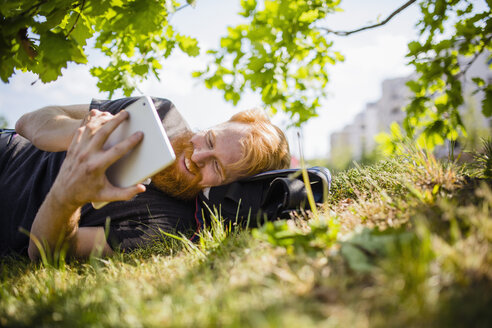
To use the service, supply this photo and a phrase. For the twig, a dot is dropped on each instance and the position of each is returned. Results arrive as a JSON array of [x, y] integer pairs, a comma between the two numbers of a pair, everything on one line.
[[394, 13], [27, 11], [171, 15], [76, 19], [468, 65], [182, 7]]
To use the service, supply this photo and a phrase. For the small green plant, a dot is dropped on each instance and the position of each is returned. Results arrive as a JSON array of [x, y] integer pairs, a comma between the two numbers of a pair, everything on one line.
[[316, 235], [483, 159]]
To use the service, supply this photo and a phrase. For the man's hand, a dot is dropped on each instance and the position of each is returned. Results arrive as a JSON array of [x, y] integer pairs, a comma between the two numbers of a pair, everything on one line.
[[82, 179]]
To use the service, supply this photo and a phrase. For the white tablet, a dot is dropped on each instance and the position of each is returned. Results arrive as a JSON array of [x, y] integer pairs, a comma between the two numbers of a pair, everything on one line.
[[152, 155]]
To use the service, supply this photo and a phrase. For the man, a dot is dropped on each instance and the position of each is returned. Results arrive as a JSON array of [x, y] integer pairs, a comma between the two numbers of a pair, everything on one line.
[[55, 167]]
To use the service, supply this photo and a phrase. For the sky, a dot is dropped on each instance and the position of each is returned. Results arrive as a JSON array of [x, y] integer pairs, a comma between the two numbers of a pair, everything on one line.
[[370, 57]]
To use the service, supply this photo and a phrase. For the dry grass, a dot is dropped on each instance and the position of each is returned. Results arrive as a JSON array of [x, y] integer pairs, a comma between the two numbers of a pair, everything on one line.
[[404, 242]]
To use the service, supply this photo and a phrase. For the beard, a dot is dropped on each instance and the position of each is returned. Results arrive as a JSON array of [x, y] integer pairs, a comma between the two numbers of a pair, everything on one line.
[[172, 180]]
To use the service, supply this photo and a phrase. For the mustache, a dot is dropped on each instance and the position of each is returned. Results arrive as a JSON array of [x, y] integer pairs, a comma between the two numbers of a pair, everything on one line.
[[190, 165], [173, 180]]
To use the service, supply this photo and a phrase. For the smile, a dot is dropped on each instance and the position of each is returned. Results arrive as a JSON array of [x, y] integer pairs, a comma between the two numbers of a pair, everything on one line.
[[187, 163], [187, 166]]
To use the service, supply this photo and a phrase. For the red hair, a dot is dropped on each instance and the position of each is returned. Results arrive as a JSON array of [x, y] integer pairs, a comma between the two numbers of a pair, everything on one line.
[[265, 147]]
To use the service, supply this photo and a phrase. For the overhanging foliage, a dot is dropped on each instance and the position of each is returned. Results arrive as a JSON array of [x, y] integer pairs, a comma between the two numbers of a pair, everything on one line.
[[283, 52], [43, 36]]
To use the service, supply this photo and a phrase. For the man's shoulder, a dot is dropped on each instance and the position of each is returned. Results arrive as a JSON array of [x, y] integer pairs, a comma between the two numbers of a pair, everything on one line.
[[115, 105], [171, 118]]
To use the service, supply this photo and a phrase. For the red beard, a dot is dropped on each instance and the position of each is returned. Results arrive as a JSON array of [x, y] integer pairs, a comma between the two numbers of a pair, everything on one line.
[[172, 180]]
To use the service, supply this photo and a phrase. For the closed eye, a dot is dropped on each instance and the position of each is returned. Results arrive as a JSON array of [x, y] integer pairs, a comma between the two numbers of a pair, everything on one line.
[[219, 171], [210, 139], [217, 168]]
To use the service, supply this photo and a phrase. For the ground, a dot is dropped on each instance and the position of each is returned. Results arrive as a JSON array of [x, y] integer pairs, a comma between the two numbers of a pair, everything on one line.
[[403, 242]]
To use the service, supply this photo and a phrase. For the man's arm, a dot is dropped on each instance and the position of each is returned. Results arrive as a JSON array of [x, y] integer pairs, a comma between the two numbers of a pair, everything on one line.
[[54, 230], [51, 128], [81, 180]]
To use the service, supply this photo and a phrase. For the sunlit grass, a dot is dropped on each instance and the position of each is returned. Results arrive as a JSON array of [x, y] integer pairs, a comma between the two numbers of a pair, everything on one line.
[[404, 242]]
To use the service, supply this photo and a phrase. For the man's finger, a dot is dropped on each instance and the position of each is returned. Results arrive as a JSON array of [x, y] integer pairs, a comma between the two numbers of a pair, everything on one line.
[[120, 149], [114, 193], [103, 133], [87, 117], [77, 137], [93, 123]]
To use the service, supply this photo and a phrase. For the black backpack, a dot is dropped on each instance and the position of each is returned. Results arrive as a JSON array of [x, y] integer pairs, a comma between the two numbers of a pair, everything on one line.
[[263, 197]]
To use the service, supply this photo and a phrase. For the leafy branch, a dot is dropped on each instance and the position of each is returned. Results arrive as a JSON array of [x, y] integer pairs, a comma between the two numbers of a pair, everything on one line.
[[135, 35], [433, 114], [279, 51]]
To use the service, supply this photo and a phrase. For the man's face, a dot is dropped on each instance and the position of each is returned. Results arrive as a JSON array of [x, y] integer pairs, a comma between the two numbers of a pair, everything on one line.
[[203, 160]]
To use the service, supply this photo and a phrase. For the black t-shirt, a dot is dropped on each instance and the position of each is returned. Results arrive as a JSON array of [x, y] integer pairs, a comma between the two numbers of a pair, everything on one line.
[[27, 174]]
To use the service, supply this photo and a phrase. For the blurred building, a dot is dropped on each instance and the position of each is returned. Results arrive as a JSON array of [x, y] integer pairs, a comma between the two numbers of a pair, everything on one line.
[[357, 138]]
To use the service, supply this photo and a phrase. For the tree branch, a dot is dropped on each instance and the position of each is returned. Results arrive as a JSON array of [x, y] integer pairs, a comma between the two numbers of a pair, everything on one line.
[[182, 7], [171, 15], [477, 54], [36, 6], [393, 14], [76, 19]]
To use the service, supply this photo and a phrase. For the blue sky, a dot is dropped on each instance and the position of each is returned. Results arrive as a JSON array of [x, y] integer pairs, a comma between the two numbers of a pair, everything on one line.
[[371, 57]]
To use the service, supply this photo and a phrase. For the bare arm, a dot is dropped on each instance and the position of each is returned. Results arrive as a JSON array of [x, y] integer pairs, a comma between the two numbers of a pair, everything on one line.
[[82, 179], [52, 128], [54, 231]]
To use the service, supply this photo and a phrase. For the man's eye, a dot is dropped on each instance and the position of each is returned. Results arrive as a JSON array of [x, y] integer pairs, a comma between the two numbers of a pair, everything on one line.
[[210, 143], [217, 169]]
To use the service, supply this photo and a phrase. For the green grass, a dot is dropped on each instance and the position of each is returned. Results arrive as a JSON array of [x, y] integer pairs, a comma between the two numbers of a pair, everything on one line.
[[404, 242]]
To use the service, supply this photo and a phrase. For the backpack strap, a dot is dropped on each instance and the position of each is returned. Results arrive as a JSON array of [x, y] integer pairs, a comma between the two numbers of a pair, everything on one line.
[[285, 192]]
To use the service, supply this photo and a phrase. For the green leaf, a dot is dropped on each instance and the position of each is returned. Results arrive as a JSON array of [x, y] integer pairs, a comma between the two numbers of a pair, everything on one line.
[[82, 31], [55, 51], [414, 86], [141, 69], [478, 81], [248, 6], [385, 143], [414, 47], [364, 249], [309, 16], [96, 8], [6, 68], [54, 18], [189, 45], [487, 103]]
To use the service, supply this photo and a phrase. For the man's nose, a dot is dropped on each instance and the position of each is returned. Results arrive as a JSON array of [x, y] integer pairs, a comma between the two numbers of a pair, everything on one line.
[[201, 156]]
